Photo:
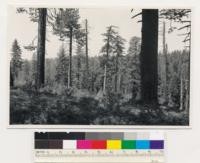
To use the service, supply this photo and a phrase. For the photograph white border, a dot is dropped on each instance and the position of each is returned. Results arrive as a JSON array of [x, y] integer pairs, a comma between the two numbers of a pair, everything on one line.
[[97, 4]]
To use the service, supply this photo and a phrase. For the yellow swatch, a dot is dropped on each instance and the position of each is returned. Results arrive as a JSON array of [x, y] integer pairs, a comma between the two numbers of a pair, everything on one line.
[[113, 144]]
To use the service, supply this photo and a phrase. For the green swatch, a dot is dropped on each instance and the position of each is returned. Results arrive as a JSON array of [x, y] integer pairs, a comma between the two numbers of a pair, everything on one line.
[[128, 144]]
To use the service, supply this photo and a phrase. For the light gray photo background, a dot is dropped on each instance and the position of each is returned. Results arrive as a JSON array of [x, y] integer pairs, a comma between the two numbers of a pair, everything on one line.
[[182, 144]]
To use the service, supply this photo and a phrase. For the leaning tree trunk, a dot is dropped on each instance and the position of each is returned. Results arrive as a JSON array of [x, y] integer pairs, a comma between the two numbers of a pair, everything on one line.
[[70, 58], [40, 77], [148, 57]]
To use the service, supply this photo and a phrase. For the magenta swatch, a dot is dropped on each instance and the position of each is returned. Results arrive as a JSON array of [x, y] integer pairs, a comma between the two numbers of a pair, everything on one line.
[[84, 144]]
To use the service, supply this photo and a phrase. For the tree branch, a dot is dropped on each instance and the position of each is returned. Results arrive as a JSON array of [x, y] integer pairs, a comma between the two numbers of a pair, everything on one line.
[[136, 15], [186, 26]]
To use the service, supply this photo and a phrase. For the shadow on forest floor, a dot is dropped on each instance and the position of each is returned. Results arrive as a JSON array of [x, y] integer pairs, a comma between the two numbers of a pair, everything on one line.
[[31, 107]]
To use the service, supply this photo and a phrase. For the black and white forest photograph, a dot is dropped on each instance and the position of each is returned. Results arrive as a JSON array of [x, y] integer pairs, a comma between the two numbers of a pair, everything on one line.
[[99, 66]]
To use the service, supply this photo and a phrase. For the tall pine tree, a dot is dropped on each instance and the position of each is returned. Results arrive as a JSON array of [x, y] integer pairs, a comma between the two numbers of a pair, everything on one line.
[[16, 62], [133, 66], [62, 67], [107, 50], [118, 51], [38, 15], [67, 26]]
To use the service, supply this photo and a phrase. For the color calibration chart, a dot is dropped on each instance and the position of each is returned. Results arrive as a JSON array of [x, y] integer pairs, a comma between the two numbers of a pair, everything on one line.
[[99, 147]]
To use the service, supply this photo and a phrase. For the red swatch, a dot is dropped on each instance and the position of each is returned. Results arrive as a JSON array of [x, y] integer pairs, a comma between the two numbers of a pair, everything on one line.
[[98, 144]]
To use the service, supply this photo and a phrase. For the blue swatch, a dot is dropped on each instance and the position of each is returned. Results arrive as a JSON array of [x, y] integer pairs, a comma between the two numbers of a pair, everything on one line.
[[142, 144]]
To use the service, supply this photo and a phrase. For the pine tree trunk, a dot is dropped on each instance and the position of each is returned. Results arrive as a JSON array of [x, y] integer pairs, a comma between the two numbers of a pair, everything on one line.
[[181, 82], [105, 67], [78, 71], [86, 52], [40, 78], [92, 83], [116, 72], [119, 83], [70, 57], [104, 79], [187, 97], [167, 74], [181, 92], [68, 78], [11, 79], [148, 57], [164, 64]]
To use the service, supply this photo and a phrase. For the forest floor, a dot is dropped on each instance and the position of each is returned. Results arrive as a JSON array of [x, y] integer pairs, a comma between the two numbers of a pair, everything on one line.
[[28, 106]]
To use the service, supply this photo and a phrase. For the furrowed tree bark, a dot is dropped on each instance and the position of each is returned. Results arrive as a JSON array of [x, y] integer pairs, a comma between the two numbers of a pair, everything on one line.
[[149, 56], [40, 78], [70, 58]]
